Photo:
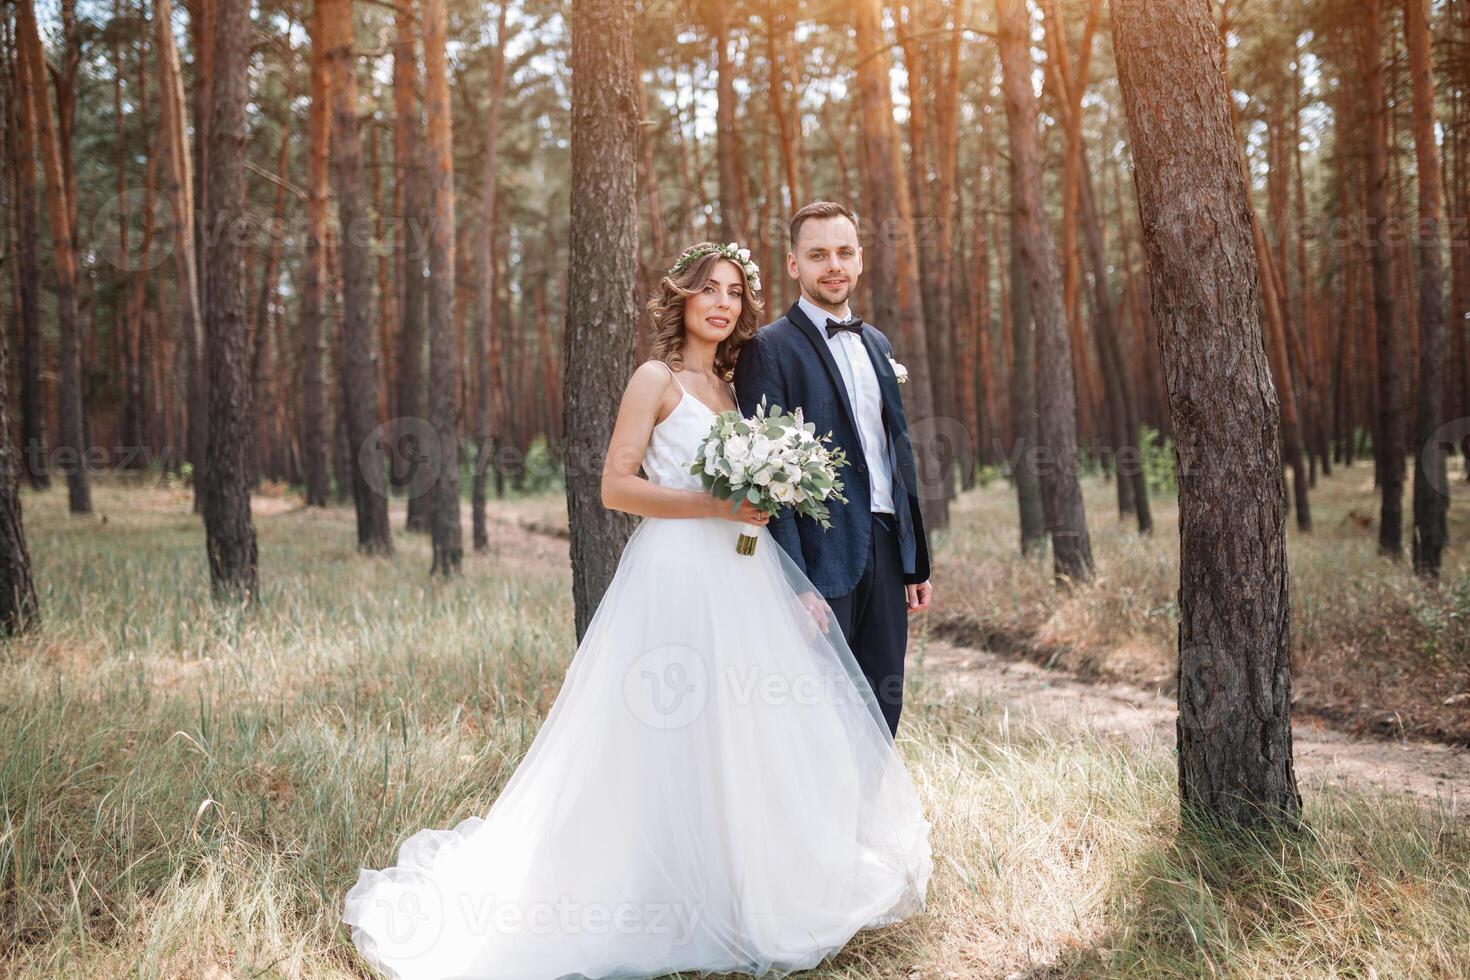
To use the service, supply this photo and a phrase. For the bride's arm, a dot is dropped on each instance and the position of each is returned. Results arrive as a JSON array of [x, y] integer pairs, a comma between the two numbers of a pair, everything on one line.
[[622, 488]]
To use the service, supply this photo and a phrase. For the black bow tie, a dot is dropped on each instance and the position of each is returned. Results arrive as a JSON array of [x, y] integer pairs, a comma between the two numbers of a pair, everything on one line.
[[855, 325]]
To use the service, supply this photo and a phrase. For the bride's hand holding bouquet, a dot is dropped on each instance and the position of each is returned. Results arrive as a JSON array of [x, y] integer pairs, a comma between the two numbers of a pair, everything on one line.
[[768, 461]]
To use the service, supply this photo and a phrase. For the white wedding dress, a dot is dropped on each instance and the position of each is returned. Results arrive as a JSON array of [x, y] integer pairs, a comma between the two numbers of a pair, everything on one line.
[[714, 788]]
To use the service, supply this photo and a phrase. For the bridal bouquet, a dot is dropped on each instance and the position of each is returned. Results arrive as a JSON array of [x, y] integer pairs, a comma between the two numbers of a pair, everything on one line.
[[773, 460]]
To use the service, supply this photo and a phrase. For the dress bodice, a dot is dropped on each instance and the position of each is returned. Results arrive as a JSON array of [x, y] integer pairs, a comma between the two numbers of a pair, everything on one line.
[[675, 440]]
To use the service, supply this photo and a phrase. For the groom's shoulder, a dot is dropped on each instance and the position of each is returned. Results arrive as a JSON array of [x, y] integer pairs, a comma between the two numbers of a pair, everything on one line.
[[779, 331]]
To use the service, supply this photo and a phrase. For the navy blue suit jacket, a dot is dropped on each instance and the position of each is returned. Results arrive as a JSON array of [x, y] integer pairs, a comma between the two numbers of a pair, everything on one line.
[[789, 362]]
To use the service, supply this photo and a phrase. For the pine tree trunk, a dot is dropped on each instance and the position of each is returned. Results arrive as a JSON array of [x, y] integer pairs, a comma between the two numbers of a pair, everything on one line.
[[890, 257], [734, 216], [972, 394], [260, 335], [1157, 413], [1459, 210], [1025, 424], [1276, 328], [601, 310], [178, 191], [229, 529], [314, 289], [1388, 443], [1431, 477], [359, 375], [202, 16], [34, 455], [1061, 494], [71, 449], [777, 19], [1314, 360], [408, 154], [1132, 485], [1085, 383], [934, 236], [19, 610], [1234, 729], [485, 257], [443, 363], [387, 294]]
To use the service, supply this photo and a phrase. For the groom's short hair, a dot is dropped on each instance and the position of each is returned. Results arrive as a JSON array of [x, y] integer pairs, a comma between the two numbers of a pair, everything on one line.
[[819, 209]]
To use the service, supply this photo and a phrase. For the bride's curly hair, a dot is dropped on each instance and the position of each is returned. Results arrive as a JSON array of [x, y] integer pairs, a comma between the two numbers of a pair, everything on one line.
[[666, 314]]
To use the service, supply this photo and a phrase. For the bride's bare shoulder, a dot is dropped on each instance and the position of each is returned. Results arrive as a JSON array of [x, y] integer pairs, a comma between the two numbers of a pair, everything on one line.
[[652, 375], [650, 389]]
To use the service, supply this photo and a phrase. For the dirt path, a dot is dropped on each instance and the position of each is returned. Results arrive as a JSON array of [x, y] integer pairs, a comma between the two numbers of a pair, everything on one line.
[[1324, 757]]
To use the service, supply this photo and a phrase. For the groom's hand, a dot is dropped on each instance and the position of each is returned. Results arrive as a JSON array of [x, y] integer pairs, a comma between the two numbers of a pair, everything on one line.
[[918, 596], [817, 606]]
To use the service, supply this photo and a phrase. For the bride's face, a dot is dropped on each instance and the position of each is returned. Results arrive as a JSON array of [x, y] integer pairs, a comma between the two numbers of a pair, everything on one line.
[[711, 313]]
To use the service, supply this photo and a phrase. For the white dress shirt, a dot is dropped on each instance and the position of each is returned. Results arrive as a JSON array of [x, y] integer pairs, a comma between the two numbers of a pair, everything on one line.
[[861, 380]]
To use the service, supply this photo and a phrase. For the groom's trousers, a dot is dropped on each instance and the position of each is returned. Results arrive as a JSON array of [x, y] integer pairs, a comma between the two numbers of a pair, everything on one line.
[[874, 618]]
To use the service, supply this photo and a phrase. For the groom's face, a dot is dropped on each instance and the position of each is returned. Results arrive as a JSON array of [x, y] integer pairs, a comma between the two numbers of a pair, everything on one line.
[[826, 260]]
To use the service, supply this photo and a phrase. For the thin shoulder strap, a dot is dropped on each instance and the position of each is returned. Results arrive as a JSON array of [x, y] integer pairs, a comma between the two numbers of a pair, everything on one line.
[[672, 374]]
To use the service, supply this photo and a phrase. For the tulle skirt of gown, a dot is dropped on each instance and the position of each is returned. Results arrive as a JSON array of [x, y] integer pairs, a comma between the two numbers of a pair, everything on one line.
[[714, 789]]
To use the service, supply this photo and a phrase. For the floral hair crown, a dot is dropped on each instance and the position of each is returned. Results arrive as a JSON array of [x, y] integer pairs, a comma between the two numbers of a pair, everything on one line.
[[732, 251]]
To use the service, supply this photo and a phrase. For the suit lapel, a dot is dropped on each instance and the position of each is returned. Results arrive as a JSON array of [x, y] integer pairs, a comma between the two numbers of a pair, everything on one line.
[[813, 334], [893, 418]]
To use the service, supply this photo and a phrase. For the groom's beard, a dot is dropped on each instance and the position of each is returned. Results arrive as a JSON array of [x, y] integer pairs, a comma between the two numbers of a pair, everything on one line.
[[816, 291]]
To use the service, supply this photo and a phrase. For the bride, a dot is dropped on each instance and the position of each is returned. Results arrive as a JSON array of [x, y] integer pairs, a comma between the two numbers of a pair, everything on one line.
[[714, 788]]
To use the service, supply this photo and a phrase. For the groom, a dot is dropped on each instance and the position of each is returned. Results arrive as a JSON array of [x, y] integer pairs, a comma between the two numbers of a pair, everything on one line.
[[872, 565]]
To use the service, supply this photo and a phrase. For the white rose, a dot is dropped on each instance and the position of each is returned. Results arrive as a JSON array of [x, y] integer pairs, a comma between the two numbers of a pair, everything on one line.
[[743, 254], [736, 447], [784, 493]]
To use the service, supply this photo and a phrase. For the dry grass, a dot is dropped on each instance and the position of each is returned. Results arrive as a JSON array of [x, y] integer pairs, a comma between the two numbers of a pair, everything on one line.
[[1375, 649], [187, 791]]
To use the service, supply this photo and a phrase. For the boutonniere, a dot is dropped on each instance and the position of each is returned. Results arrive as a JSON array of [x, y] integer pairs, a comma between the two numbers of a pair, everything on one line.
[[899, 371]]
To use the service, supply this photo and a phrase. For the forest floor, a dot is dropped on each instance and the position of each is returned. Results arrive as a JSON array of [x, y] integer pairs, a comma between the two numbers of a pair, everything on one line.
[[187, 788], [1105, 703]]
